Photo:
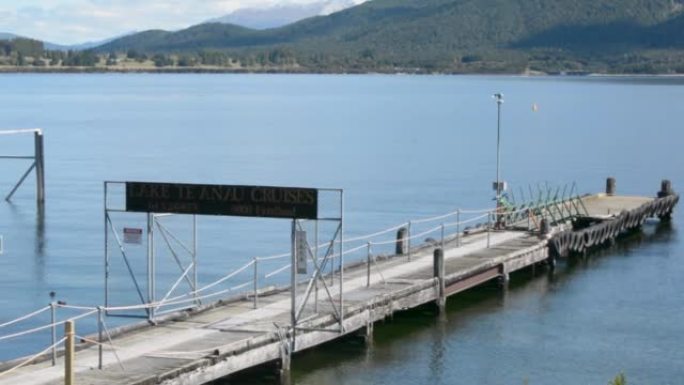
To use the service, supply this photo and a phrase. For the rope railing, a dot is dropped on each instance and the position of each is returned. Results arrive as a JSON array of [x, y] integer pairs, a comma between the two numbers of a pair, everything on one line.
[[45, 327], [25, 317], [32, 358], [192, 297]]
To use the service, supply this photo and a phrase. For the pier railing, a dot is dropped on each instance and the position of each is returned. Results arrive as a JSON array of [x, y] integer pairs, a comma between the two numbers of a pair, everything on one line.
[[259, 276]]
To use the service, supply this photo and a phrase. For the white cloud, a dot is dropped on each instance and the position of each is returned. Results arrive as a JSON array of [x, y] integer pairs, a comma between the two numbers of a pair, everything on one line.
[[77, 21]]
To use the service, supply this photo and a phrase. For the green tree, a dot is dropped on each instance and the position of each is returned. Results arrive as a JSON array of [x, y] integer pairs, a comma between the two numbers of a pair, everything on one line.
[[28, 47], [161, 60]]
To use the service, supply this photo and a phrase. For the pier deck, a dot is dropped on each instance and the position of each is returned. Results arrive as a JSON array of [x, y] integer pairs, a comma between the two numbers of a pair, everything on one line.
[[244, 337], [225, 339]]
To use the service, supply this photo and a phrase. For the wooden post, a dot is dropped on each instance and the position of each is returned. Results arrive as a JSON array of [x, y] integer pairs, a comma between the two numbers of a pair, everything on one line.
[[610, 186], [438, 268], [69, 333], [40, 167]]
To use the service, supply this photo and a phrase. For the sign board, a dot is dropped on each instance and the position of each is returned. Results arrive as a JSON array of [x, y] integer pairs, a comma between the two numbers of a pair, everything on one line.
[[501, 186], [302, 250], [244, 201], [132, 236]]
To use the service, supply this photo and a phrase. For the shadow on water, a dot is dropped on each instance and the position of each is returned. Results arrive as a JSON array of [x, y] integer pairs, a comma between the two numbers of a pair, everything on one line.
[[394, 336], [40, 239]]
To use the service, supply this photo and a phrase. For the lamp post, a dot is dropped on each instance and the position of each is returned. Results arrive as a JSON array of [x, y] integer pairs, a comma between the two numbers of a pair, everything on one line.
[[499, 97]]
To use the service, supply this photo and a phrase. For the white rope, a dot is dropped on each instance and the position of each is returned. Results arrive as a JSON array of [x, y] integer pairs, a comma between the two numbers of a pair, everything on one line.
[[364, 237], [65, 306], [271, 274], [34, 330], [273, 257], [432, 219], [25, 317], [28, 361], [171, 303], [477, 211], [465, 222], [424, 233]]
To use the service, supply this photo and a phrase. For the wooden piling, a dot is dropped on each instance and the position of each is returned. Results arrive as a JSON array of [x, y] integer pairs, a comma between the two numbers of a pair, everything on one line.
[[438, 269], [69, 333]]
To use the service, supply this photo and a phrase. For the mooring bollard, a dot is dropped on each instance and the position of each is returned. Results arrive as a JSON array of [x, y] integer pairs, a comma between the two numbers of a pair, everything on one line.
[[438, 270], [401, 241], [544, 228], [665, 189], [69, 333], [610, 186]]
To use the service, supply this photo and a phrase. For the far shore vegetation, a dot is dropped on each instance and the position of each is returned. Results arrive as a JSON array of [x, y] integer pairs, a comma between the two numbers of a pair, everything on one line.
[[27, 55]]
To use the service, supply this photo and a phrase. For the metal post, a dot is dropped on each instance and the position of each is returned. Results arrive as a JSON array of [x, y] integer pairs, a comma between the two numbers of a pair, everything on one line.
[[408, 241], [529, 219], [442, 234], [316, 258], [458, 228], [53, 319], [194, 255], [341, 261], [40, 167], [106, 248], [256, 282], [100, 338], [150, 265], [293, 279], [368, 265], [69, 333], [499, 102], [489, 229]]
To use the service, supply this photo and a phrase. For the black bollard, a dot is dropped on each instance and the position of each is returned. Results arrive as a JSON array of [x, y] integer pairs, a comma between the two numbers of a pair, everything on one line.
[[665, 189], [544, 228], [402, 241], [610, 186]]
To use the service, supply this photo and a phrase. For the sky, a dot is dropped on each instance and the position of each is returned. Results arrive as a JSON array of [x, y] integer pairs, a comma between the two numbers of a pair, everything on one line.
[[79, 21]]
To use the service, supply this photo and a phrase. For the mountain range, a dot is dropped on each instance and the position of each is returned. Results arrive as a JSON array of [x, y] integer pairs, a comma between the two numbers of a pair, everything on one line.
[[60, 47], [438, 33], [442, 35], [278, 15]]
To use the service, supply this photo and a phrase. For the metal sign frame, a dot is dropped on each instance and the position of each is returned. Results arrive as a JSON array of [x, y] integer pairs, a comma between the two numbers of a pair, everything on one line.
[[38, 163], [334, 250]]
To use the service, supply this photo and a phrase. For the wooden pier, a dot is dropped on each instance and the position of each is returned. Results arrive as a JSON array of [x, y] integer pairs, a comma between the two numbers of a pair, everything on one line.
[[203, 345]]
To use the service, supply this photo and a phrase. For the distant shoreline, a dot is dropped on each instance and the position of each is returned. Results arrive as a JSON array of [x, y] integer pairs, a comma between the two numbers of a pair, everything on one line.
[[282, 71]]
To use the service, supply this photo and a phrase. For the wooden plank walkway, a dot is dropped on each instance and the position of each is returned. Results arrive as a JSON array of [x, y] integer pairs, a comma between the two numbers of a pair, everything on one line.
[[228, 338]]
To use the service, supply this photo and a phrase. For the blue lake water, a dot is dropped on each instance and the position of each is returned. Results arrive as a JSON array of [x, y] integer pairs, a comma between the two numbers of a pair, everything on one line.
[[401, 147]]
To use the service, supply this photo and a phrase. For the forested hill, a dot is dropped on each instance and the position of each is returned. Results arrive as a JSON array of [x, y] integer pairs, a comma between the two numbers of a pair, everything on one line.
[[453, 35]]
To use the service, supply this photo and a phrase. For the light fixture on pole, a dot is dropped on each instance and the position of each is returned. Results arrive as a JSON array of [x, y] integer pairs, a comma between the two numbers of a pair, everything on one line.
[[499, 186]]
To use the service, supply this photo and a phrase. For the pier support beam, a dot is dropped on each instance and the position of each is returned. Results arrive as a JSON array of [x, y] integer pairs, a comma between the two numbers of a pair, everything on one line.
[[368, 333], [504, 277], [438, 267], [284, 371]]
